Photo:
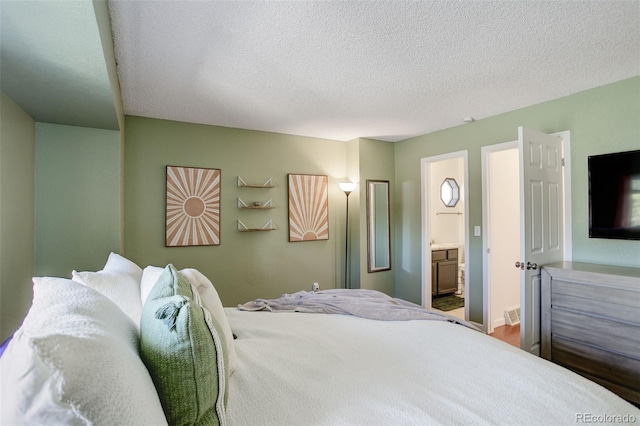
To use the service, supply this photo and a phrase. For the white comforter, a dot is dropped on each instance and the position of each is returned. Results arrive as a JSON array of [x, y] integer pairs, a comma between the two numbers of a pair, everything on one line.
[[311, 369]]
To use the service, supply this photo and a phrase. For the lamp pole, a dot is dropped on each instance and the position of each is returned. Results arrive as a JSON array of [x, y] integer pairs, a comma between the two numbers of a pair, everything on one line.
[[346, 245], [347, 188]]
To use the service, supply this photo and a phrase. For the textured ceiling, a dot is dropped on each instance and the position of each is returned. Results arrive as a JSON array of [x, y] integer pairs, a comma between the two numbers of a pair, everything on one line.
[[388, 70], [333, 69]]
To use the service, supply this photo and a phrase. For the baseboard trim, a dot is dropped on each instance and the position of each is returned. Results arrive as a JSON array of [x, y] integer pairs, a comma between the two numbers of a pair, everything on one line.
[[498, 322]]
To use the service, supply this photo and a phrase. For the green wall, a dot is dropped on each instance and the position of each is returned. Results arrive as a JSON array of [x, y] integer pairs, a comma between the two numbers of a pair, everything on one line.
[[79, 213], [77, 198], [246, 265], [17, 147], [376, 162], [366, 159], [604, 119]]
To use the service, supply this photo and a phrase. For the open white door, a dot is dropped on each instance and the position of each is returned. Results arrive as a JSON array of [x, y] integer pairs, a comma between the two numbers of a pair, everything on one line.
[[541, 224]]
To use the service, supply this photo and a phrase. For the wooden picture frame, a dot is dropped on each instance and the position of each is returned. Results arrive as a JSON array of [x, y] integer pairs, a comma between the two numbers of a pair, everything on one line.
[[192, 207], [378, 226], [308, 207]]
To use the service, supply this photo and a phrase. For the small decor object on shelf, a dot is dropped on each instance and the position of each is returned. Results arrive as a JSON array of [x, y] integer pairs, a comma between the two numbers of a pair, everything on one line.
[[192, 207], [256, 204], [308, 207]]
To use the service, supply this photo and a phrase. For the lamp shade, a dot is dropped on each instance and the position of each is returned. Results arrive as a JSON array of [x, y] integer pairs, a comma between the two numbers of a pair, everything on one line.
[[347, 186]]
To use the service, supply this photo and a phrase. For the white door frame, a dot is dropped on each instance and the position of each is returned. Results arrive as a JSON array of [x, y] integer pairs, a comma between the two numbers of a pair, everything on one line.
[[425, 165], [486, 151], [486, 243]]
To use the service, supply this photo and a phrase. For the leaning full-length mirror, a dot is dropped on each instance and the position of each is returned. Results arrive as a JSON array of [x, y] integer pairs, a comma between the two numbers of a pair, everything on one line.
[[378, 233]]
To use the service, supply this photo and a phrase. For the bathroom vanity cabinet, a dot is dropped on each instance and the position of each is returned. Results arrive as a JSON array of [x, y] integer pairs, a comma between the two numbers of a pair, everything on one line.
[[444, 271]]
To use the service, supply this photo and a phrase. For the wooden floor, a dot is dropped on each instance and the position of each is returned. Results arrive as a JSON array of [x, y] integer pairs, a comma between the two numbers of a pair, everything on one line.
[[508, 333]]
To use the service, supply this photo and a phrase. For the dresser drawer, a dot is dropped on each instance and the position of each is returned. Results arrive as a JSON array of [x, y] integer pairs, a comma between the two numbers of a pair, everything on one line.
[[596, 362], [616, 372], [614, 336], [438, 255], [590, 323], [608, 302], [444, 254]]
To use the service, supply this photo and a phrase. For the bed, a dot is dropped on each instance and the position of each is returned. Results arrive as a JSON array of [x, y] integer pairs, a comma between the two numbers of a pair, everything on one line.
[[86, 355]]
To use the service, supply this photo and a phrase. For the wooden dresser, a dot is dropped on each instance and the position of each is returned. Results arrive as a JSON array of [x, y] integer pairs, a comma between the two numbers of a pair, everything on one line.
[[590, 323]]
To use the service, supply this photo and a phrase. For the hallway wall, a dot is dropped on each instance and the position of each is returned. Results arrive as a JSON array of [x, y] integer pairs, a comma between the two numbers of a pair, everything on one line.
[[504, 223]]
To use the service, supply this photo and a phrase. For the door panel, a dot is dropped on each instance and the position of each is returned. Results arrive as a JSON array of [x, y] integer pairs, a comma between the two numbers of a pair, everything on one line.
[[536, 215], [555, 216], [532, 313], [542, 232], [447, 276]]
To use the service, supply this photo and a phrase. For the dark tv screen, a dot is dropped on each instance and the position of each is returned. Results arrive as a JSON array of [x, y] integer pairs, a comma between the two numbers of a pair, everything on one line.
[[614, 195]]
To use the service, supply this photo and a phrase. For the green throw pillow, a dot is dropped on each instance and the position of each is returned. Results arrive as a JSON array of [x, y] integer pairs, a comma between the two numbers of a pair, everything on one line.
[[183, 354]]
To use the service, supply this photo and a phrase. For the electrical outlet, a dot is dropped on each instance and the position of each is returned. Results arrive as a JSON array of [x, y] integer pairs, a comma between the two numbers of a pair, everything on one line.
[[476, 231], [315, 287]]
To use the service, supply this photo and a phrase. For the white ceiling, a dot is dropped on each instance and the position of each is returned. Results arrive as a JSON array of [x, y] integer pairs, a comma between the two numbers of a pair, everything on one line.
[[387, 70]]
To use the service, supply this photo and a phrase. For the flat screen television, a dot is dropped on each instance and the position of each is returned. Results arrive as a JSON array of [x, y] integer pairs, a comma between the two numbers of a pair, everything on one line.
[[614, 195]]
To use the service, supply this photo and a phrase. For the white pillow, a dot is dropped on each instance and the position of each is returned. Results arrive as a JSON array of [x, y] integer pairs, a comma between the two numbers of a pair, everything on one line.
[[150, 276], [75, 361], [119, 280], [29, 393], [210, 300]]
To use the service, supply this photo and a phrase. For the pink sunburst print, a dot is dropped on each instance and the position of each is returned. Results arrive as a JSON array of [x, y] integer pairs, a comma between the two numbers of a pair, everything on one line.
[[308, 208], [193, 207]]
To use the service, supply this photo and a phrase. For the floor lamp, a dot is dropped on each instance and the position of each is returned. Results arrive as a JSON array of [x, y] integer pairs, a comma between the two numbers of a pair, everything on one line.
[[347, 188]]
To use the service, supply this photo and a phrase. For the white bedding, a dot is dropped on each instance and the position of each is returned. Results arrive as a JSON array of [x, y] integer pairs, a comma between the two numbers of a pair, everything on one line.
[[361, 303], [310, 369]]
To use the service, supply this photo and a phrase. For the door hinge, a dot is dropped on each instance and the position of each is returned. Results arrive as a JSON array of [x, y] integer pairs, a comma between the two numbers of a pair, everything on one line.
[[562, 161]]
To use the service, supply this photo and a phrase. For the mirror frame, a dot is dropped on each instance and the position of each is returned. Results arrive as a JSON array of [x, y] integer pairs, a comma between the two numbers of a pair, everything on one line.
[[375, 223], [452, 186]]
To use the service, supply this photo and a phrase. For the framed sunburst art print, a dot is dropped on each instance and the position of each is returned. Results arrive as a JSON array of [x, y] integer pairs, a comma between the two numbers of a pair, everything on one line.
[[192, 207], [308, 207]]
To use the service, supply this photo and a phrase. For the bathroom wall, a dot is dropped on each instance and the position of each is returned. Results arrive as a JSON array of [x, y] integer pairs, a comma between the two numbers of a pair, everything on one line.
[[446, 228]]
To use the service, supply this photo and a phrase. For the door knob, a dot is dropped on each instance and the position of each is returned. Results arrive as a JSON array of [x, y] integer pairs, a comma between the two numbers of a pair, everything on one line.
[[520, 265], [533, 266]]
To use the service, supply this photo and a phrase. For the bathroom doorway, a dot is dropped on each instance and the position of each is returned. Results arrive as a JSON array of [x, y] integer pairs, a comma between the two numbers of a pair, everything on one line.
[[445, 232]]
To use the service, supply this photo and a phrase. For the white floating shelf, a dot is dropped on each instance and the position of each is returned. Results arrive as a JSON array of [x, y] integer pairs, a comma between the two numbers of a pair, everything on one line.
[[267, 184], [269, 226]]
